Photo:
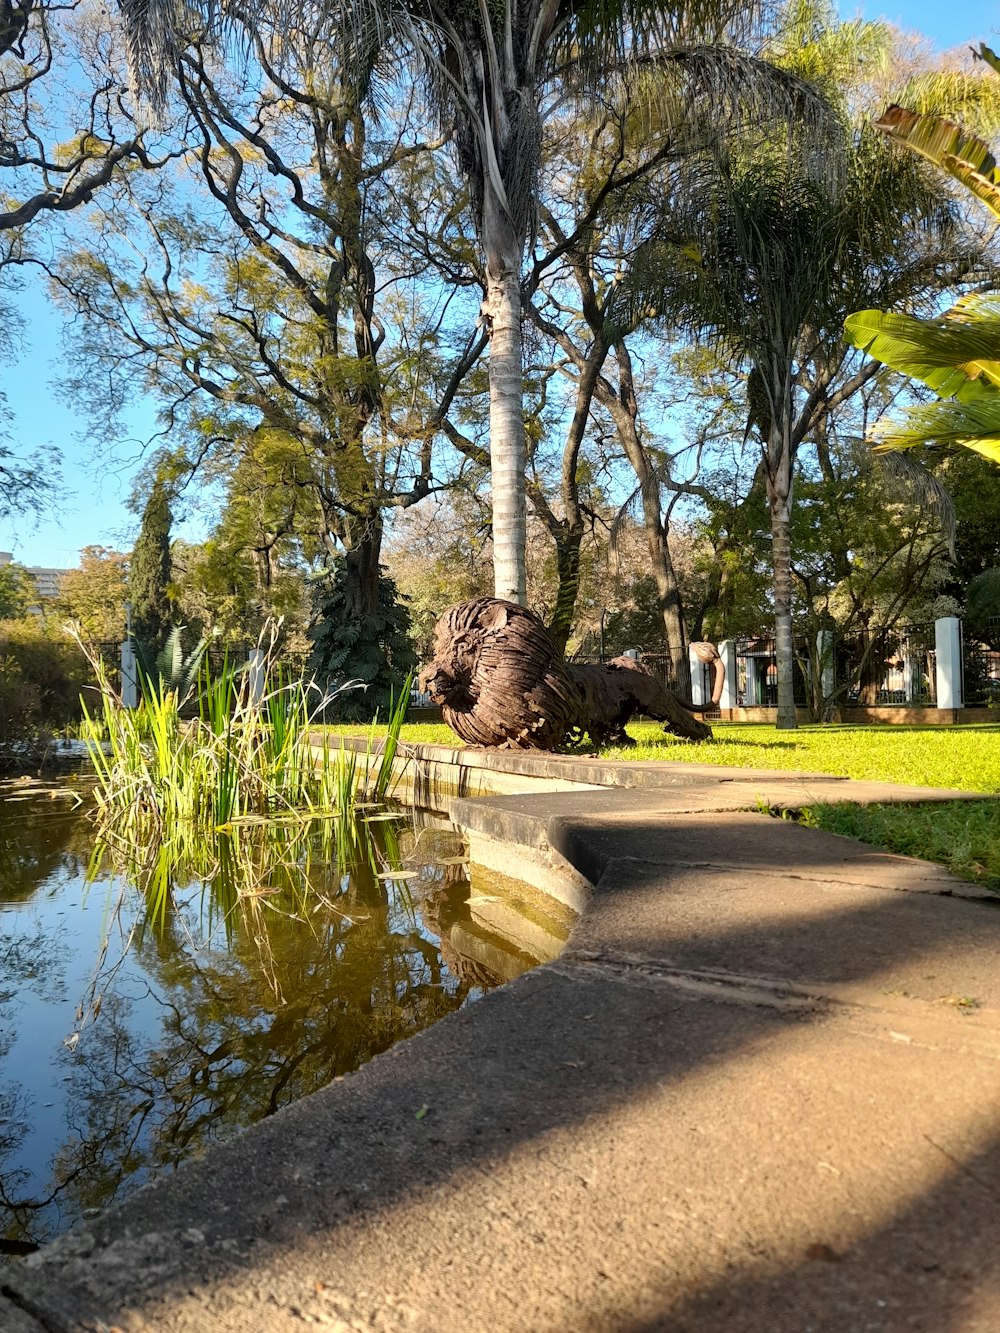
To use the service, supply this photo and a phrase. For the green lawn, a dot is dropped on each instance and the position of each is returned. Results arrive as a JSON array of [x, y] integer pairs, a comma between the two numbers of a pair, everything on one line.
[[962, 835], [966, 758]]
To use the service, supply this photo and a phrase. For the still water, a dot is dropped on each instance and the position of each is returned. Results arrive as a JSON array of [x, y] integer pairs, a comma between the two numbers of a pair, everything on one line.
[[130, 1039]]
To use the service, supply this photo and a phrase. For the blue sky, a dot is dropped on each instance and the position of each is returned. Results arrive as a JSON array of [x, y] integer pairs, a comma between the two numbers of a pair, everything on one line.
[[94, 509]]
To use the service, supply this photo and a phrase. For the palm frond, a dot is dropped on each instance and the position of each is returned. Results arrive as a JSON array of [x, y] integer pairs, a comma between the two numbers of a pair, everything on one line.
[[949, 146], [906, 478], [973, 425], [947, 354]]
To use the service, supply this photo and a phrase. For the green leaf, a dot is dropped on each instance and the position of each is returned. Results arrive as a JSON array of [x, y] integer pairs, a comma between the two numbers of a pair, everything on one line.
[[946, 354]]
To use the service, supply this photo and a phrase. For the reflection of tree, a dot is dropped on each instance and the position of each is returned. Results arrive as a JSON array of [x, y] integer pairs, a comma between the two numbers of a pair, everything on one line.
[[37, 839], [233, 1003], [355, 978]]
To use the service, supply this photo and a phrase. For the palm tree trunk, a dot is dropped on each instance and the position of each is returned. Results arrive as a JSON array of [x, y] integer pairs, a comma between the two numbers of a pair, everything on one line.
[[502, 310], [781, 555]]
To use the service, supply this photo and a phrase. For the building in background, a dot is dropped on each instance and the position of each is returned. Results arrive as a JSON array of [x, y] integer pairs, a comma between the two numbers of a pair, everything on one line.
[[46, 581]]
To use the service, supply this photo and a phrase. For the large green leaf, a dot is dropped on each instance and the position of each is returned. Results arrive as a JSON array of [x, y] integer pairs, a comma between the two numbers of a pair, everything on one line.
[[946, 354], [974, 424]]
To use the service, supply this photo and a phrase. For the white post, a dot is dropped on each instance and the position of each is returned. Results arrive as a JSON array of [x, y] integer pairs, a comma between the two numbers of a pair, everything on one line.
[[824, 651], [730, 686], [255, 676], [130, 678], [697, 679], [948, 661]]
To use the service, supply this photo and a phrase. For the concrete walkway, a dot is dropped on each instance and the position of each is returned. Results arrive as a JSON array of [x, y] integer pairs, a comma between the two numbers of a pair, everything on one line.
[[759, 1093]]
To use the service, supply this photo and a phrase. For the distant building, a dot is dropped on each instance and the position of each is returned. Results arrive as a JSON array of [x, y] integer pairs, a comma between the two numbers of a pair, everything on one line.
[[47, 581]]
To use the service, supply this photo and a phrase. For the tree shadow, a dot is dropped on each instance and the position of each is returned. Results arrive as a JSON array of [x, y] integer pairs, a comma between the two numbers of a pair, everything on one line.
[[543, 1071]]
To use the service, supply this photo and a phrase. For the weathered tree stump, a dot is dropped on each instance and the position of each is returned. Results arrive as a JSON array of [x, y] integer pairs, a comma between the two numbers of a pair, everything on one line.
[[501, 683]]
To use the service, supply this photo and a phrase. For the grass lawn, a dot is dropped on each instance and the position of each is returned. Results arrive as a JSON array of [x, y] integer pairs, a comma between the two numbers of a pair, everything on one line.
[[964, 836]]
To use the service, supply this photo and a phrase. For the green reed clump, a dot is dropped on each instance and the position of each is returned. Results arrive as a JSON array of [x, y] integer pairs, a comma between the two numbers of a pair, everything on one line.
[[165, 780]]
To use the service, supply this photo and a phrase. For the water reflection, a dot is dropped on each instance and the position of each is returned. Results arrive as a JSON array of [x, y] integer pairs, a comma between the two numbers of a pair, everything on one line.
[[136, 1029]]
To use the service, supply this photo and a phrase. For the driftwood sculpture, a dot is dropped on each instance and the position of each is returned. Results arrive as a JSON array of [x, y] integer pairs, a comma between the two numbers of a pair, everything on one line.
[[500, 682]]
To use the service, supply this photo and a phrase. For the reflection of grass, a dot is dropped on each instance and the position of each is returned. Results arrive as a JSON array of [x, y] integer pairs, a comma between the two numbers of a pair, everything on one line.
[[963, 836]]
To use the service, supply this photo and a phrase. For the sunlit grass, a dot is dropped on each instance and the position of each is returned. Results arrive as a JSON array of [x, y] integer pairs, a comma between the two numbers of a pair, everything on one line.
[[962, 758], [962, 836]]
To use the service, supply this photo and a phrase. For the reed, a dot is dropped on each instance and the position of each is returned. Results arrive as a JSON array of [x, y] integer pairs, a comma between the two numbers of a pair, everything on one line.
[[239, 794]]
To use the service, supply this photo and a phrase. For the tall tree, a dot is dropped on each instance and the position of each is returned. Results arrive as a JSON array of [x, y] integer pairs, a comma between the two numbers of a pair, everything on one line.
[[149, 575], [495, 72], [280, 321], [766, 259], [94, 594]]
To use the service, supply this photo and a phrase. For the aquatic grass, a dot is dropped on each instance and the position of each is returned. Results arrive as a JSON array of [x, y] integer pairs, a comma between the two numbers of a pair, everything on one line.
[[198, 796]]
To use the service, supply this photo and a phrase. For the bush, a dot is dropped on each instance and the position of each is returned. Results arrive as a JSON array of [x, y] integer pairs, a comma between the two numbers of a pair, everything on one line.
[[373, 648], [54, 670]]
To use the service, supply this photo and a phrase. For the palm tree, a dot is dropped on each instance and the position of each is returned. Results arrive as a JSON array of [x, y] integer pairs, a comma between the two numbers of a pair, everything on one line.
[[958, 354], [494, 70], [763, 255]]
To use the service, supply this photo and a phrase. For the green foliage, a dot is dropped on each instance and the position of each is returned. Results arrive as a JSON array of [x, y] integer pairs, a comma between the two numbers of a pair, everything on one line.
[[960, 835], [175, 669], [370, 648], [149, 577], [958, 355], [94, 595], [17, 591], [55, 668], [983, 605]]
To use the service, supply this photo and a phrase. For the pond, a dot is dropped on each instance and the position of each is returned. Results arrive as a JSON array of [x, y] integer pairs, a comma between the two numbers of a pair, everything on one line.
[[134, 1032]]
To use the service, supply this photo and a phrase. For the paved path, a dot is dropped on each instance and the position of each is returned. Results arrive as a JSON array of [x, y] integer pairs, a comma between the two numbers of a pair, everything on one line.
[[759, 1093]]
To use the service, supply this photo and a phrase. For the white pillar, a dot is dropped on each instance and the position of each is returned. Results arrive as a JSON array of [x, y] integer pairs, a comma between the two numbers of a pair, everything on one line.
[[730, 686], [130, 678], [697, 679], [824, 651], [948, 656], [255, 676]]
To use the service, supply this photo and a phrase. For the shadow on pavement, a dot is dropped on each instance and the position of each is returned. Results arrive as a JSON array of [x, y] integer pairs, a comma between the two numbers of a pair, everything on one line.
[[597, 1148]]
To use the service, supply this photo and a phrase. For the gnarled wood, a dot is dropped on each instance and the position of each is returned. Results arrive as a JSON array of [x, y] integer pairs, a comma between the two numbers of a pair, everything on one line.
[[501, 682]]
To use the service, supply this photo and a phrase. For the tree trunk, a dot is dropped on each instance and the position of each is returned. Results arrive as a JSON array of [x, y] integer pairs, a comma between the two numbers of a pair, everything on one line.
[[780, 502], [568, 565], [362, 552], [502, 310], [624, 409]]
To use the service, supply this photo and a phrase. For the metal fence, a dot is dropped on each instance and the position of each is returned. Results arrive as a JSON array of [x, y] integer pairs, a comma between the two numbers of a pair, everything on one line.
[[757, 673], [981, 664], [895, 666]]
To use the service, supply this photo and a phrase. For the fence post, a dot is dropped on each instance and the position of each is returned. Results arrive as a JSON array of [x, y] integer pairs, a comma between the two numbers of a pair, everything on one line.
[[255, 676], [948, 662], [827, 675], [130, 679], [697, 679], [730, 690]]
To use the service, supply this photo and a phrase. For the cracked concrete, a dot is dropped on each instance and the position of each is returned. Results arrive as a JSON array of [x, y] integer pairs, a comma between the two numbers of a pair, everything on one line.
[[759, 1092]]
